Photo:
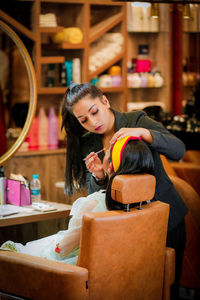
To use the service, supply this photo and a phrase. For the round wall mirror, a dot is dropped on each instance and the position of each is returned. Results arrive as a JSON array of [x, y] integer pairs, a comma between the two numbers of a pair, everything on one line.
[[18, 94]]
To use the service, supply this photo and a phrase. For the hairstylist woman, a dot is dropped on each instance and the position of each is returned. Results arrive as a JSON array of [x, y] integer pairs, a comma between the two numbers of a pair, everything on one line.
[[92, 125]]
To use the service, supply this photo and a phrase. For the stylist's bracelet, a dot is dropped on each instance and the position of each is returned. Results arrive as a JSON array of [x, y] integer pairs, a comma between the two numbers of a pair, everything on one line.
[[100, 180]]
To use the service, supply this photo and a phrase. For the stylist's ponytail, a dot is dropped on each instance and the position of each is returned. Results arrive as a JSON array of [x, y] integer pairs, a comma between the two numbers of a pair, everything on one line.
[[74, 177]]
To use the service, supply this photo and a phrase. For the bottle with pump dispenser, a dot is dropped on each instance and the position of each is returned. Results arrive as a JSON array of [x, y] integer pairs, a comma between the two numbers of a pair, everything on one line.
[[53, 129]]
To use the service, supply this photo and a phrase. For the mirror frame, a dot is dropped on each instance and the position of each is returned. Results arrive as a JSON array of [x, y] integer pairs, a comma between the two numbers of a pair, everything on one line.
[[33, 91]]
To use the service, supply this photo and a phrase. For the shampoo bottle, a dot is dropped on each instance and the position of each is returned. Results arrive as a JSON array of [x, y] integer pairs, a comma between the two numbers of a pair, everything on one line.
[[61, 132], [33, 135], [42, 129], [53, 129]]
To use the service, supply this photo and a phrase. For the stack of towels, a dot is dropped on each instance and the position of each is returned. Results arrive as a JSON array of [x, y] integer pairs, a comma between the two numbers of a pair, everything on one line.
[[105, 49], [48, 20]]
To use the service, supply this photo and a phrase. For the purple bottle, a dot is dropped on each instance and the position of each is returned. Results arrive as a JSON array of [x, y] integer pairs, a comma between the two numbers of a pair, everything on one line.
[[53, 129]]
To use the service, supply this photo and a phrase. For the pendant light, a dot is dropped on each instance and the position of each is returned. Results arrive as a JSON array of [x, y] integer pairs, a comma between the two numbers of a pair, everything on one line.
[[186, 11], [155, 10]]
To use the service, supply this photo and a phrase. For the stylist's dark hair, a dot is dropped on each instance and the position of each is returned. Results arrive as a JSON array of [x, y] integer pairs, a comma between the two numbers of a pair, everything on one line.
[[136, 158], [74, 172]]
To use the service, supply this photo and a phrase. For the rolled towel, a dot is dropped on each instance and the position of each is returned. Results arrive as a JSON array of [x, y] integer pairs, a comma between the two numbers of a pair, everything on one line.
[[73, 35]]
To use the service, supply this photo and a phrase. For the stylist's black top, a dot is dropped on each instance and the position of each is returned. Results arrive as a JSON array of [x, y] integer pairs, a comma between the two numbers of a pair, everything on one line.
[[163, 143]]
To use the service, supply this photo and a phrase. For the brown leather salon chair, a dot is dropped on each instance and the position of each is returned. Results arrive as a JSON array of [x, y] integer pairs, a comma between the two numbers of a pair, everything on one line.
[[188, 169], [122, 255], [192, 156], [190, 275]]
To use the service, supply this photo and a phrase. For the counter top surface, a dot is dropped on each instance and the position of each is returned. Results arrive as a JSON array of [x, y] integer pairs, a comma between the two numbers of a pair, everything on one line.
[[28, 214]]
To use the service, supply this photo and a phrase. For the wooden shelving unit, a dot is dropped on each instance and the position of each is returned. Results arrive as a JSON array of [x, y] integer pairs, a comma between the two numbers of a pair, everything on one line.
[[159, 55], [79, 13], [96, 18]]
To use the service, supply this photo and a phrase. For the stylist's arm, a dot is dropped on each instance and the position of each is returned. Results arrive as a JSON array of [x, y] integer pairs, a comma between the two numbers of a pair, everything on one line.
[[139, 132]]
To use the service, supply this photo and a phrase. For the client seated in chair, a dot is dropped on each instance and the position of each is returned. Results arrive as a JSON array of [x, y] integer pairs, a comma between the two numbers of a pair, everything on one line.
[[64, 245]]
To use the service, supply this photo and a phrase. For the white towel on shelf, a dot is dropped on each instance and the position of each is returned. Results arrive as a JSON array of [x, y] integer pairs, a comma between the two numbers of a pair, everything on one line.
[[48, 20], [105, 49]]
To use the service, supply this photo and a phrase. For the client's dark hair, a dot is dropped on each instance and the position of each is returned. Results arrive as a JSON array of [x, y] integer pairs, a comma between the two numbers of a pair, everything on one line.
[[74, 171], [136, 158]]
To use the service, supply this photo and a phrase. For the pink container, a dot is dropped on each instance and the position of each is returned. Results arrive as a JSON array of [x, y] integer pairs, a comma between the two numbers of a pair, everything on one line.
[[33, 135], [116, 80], [17, 193], [143, 65]]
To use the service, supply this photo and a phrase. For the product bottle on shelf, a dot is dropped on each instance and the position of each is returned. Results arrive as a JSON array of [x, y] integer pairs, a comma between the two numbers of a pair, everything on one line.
[[76, 70], [61, 133], [115, 72], [35, 188], [63, 75], [2, 185], [53, 129], [50, 75], [69, 70], [143, 63], [33, 135], [42, 129], [1, 171]]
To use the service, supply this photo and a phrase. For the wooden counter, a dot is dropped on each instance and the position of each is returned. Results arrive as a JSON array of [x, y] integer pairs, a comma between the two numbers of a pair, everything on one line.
[[61, 211]]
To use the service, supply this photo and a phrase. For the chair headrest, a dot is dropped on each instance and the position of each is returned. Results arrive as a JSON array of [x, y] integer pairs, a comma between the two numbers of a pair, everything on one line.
[[135, 188]]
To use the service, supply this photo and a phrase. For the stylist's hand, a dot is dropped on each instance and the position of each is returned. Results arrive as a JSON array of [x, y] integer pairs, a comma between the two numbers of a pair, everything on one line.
[[139, 132], [94, 165]]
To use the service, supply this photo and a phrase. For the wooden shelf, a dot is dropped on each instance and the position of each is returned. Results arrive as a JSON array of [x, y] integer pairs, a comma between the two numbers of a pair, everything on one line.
[[64, 1], [64, 46], [52, 60], [189, 85], [147, 87], [40, 152], [114, 89], [51, 90], [51, 29], [98, 30], [145, 32], [107, 65]]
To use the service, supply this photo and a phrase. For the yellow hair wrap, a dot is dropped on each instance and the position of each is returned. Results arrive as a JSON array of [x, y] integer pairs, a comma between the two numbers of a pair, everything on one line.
[[117, 150]]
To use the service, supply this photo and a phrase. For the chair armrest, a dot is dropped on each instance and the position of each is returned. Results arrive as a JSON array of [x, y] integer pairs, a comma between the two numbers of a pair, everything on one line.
[[40, 278], [169, 272]]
